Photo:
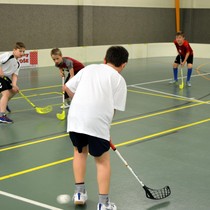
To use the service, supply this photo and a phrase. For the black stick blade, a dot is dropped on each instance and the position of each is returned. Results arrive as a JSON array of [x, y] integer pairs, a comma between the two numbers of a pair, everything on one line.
[[157, 194]]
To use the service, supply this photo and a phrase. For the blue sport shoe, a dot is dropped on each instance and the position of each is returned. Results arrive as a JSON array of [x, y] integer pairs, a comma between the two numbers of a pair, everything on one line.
[[5, 119]]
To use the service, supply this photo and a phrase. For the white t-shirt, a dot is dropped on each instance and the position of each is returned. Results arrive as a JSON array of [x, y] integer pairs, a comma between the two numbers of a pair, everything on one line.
[[9, 64], [99, 90]]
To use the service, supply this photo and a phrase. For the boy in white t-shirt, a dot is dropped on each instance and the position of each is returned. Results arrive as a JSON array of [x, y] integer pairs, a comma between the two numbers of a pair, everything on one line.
[[9, 70], [97, 91]]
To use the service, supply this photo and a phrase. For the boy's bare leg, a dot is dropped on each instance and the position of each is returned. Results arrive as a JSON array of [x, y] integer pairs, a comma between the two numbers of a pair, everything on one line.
[[103, 172], [6, 96], [79, 165], [4, 100]]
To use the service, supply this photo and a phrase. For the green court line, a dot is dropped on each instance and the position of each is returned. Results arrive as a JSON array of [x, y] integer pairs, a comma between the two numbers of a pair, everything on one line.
[[117, 145]]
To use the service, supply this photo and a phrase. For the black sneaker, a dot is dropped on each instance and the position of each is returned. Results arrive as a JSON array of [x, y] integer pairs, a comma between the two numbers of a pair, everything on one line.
[[5, 119], [8, 109]]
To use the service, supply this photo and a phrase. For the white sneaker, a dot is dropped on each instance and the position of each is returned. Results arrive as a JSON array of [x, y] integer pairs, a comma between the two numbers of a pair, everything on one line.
[[173, 82], [111, 206], [65, 106], [80, 198], [188, 84]]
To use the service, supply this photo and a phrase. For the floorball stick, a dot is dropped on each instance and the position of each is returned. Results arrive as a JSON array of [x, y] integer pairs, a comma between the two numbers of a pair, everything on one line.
[[62, 115], [40, 110], [181, 86], [155, 194]]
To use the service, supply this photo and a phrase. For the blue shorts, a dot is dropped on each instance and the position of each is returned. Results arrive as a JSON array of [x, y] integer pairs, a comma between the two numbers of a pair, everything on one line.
[[96, 146]]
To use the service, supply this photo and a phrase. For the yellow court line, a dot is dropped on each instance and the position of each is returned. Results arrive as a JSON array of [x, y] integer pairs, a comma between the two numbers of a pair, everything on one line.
[[34, 142], [160, 95], [36, 168], [117, 145], [41, 88], [199, 73], [155, 114], [35, 95], [163, 132], [114, 123]]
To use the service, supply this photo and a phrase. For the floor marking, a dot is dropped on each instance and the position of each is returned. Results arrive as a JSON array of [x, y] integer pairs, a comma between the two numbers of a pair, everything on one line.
[[117, 145], [29, 109], [199, 73], [38, 94], [155, 114], [114, 123], [169, 94], [33, 142], [163, 132], [165, 80], [41, 88], [36, 168], [26, 200], [160, 95]]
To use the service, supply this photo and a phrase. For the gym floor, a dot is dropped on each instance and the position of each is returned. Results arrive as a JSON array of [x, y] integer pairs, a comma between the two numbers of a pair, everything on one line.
[[163, 135]]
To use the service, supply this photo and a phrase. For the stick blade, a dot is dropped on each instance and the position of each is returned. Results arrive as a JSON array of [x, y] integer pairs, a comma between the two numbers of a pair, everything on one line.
[[61, 116], [157, 194], [43, 110], [181, 86]]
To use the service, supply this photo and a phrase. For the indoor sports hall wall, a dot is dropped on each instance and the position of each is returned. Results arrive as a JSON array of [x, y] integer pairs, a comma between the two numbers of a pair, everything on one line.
[[78, 25], [70, 23], [47, 26]]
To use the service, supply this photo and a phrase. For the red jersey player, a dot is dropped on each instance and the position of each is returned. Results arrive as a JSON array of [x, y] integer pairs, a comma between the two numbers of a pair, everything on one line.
[[185, 55], [68, 64]]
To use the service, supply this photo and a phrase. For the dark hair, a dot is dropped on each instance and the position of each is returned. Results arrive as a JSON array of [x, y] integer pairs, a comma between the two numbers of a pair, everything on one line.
[[56, 51], [19, 45], [180, 33], [116, 55]]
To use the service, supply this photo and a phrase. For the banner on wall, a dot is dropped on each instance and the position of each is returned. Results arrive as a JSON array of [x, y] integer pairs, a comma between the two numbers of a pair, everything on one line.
[[30, 59]]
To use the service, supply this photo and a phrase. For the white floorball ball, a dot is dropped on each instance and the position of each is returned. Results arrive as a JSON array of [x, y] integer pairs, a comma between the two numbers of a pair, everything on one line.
[[63, 199]]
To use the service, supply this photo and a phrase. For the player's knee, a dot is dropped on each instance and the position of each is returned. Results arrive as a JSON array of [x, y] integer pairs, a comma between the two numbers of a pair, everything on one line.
[[189, 66], [175, 65]]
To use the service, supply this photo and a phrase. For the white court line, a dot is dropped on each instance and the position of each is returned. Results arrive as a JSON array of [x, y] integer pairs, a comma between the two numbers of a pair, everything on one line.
[[169, 94], [29, 201], [165, 80]]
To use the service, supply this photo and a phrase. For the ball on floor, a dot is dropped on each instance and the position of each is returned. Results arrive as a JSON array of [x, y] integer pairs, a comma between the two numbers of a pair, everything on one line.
[[63, 199]]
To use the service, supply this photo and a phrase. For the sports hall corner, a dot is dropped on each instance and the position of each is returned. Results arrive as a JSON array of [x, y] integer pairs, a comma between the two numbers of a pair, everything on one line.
[[160, 158]]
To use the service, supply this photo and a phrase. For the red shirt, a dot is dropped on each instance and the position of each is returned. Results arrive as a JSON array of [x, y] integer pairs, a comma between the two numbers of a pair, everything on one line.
[[69, 63], [184, 48]]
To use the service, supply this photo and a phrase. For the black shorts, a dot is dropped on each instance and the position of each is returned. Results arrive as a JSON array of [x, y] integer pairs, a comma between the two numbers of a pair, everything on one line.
[[5, 84], [189, 60], [96, 146]]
